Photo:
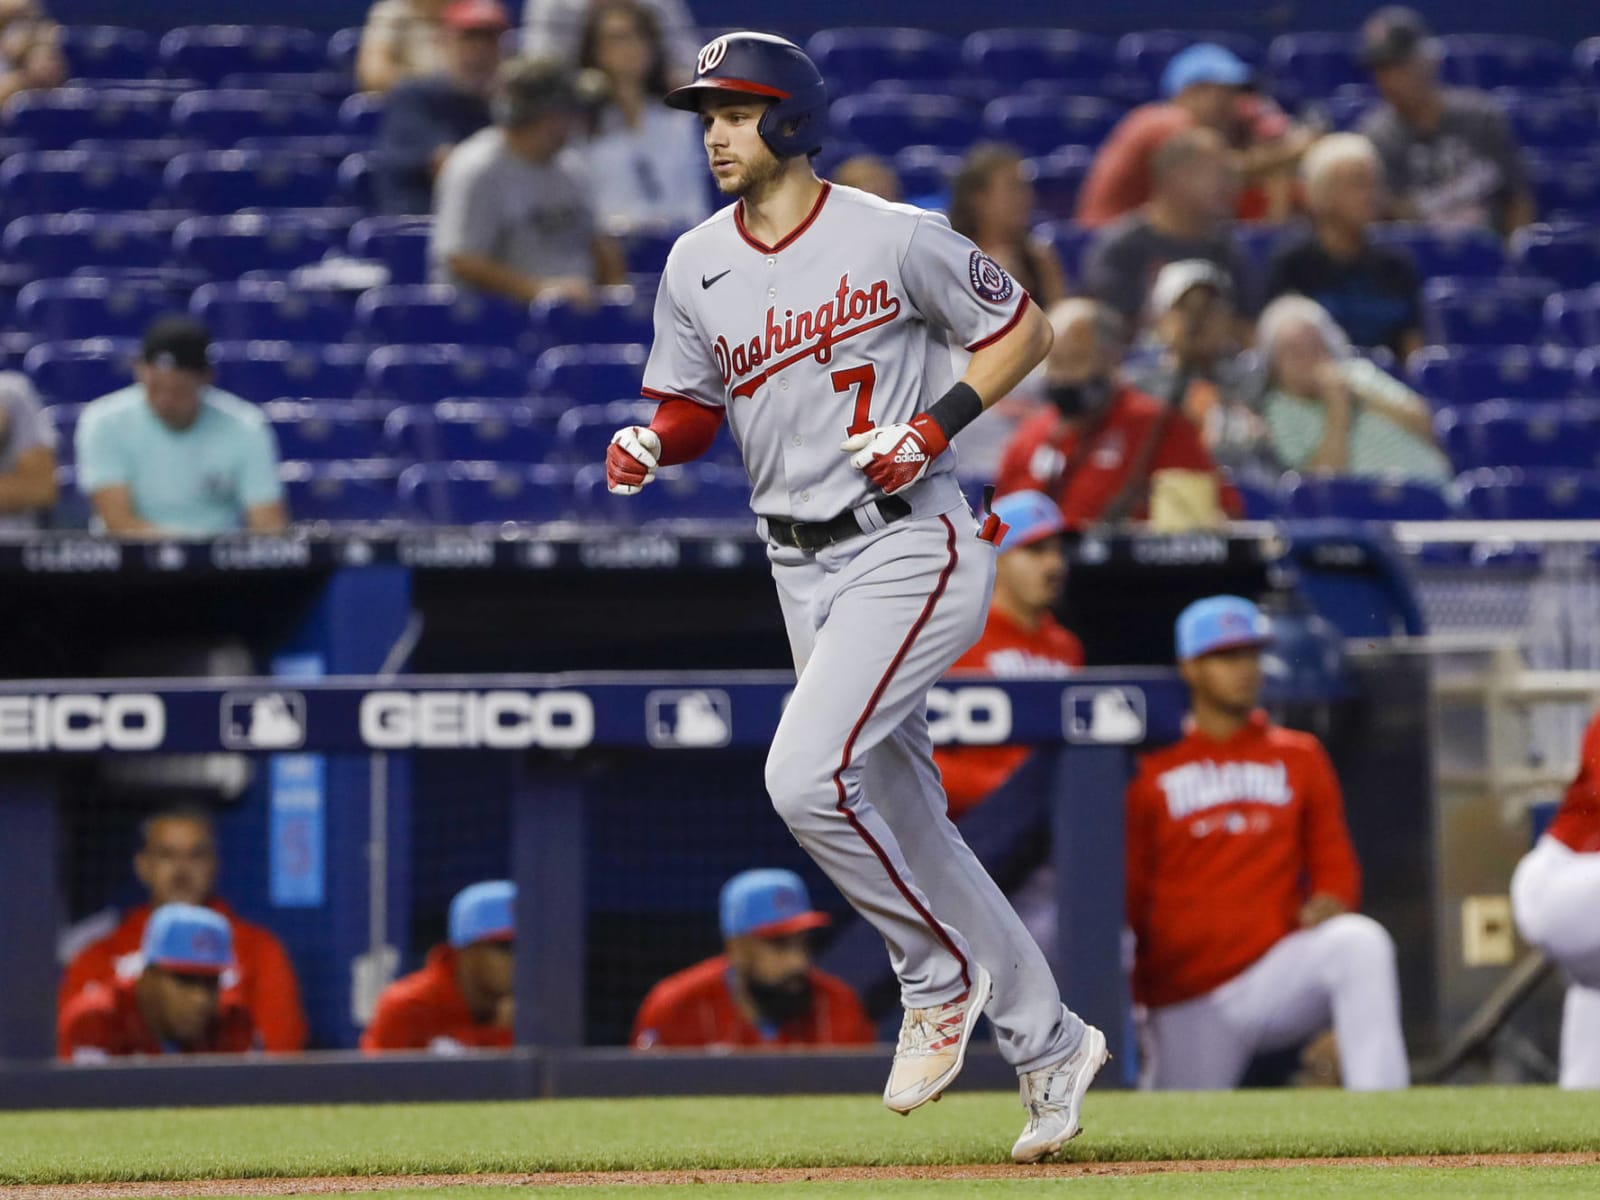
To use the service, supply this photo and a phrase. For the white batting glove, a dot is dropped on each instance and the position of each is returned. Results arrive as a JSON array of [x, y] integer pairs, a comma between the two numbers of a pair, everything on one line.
[[632, 459], [895, 456]]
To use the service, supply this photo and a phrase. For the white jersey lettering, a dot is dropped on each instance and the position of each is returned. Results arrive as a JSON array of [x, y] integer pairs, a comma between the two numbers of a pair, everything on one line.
[[1197, 786]]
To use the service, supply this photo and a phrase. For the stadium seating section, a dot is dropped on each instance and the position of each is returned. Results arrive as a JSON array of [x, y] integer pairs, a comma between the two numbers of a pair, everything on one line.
[[204, 168]]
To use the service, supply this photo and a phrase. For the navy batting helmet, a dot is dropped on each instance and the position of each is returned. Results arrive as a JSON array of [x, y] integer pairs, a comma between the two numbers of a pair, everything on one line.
[[758, 64]]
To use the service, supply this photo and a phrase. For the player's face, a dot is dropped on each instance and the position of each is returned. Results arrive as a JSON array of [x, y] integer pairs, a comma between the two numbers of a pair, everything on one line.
[[173, 393], [187, 1004], [1229, 680], [1351, 193], [491, 965], [741, 163], [772, 962], [1033, 575], [178, 864]]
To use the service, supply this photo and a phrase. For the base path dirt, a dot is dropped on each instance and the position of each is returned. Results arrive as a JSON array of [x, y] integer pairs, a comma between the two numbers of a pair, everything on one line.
[[334, 1185]]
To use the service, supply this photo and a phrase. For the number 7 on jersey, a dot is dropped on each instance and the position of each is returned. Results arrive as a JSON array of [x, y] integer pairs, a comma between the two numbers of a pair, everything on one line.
[[862, 379]]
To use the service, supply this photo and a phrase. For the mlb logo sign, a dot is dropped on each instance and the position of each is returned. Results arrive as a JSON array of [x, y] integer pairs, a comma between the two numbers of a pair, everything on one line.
[[688, 719], [263, 720], [1104, 716]]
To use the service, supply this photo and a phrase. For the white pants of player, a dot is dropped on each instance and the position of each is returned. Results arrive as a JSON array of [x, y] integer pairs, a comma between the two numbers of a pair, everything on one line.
[[1555, 898], [1341, 971], [873, 623]]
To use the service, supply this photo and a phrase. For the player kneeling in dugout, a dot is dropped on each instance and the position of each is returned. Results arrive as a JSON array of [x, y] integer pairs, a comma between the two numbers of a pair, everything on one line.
[[176, 1005], [461, 999], [763, 990], [1242, 885]]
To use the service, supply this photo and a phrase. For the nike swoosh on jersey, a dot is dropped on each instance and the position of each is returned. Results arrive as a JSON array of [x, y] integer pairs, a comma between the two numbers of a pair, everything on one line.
[[706, 283]]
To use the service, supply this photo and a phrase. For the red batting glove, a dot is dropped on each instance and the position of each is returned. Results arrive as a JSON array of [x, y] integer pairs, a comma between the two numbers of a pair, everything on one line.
[[896, 456], [631, 460]]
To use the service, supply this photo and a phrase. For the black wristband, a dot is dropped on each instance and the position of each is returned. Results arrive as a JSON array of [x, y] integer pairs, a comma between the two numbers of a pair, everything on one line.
[[956, 409]]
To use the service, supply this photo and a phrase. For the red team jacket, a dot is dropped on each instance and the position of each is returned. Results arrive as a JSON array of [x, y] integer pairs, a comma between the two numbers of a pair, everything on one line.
[[105, 1017], [1007, 651], [266, 982], [1226, 841], [1577, 822], [427, 1006], [695, 1008]]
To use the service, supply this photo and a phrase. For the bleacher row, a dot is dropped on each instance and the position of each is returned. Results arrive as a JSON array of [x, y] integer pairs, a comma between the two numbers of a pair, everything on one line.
[[209, 168]]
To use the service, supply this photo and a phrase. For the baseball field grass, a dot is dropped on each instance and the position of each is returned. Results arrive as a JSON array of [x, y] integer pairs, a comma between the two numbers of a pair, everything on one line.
[[1525, 1141]]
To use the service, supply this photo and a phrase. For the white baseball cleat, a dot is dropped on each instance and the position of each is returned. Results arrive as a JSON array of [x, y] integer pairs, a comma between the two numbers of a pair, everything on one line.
[[933, 1045], [1054, 1094]]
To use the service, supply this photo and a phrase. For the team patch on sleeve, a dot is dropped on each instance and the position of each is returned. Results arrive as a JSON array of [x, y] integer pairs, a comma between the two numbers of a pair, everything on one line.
[[989, 278]]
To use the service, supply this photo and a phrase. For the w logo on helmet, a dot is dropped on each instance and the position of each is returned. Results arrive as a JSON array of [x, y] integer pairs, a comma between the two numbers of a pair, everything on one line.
[[711, 55]]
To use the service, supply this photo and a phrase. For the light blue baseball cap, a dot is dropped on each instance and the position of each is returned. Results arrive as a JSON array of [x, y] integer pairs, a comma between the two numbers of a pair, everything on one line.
[[1220, 623], [1031, 516], [188, 939], [483, 912], [767, 903], [1203, 62]]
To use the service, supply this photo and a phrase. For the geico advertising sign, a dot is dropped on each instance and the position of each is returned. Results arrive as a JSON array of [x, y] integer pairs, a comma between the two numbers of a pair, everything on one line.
[[499, 720], [969, 716], [130, 721]]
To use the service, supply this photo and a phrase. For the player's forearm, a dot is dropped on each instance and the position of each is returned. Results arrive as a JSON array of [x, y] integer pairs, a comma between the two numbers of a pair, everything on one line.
[[483, 273], [27, 491], [997, 368], [271, 517]]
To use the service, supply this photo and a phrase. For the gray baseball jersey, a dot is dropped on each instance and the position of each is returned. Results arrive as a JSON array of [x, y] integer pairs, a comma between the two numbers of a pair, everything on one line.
[[844, 325]]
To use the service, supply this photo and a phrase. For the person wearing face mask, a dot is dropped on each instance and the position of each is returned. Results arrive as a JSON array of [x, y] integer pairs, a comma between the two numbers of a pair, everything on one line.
[[762, 990], [1096, 446]]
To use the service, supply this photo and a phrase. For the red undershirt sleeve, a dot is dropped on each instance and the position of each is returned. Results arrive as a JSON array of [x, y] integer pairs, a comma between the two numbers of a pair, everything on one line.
[[686, 429]]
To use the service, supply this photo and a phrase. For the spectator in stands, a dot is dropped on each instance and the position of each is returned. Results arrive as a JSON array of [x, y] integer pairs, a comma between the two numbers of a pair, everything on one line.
[[1196, 328], [462, 997], [402, 39], [1021, 638], [30, 49], [424, 117], [176, 1003], [762, 990], [173, 454], [1372, 291], [27, 455], [1448, 153], [1189, 215], [869, 173], [1098, 446], [177, 865], [514, 209], [554, 29], [991, 202], [1242, 884], [1329, 409], [1204, 86], [650, 157]]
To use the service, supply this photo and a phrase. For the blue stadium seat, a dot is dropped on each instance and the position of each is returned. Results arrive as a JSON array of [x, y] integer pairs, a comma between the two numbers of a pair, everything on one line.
[[1307, 66], [1148, 53], [1071, 241], [1256, 241], [1569, 254], [926, 171], [331, 87], [225, 181], [619, 316], [475, 493], [1512, 494], [210, 53], [584, 432], [693, 492], [427, 374], [1357, 499], [1058, 177], [1500, 60], [361, 115], [590, 374], [1262, 502], [1444, 251], [54, 119], [401, 243], [1481, 312], [58, 181], [1553, 123], [335, 147], [107, 52], [270, 370], [77, 372], [357, 184], [343, 47], [508, 431], [1041, 124], [147, 152], [1507, 434], [59, 245], [271, 309], [1566, 186], [421, 313], [1573, 318], [356, 490], [889, 121], [225, 247], [853, 60], [1059, 57], [220, 118], [1586, 61], [647, 250], [1455, 375], [63, 422], [324, 431], [86, 306]]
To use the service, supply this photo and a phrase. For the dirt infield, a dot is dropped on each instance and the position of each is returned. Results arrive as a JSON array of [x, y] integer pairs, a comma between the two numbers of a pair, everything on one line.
[[335, 1185]]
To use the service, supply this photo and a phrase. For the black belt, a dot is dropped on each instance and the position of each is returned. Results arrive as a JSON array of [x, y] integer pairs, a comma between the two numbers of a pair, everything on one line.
[[814, 535]]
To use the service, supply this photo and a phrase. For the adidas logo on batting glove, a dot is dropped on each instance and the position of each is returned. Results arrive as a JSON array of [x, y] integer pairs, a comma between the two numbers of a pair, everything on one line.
[[896, 456]]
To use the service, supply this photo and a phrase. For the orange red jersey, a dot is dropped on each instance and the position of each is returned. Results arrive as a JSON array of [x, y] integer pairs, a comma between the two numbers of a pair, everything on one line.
[[1006, 650], [1577, 821], [695, 1008], [1225, 842], [105, 1018], [426, 1010], [265, 980]]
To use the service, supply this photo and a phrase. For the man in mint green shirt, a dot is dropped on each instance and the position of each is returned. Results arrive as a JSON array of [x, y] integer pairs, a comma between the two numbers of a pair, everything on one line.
[[172, 454]]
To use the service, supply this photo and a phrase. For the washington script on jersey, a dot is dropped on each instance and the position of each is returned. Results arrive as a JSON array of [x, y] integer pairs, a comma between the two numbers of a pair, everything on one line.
[[851, 311], [1197, 786]]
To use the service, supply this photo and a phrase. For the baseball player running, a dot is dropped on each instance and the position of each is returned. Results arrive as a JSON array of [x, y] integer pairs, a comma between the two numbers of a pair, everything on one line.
[[818, 321]]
